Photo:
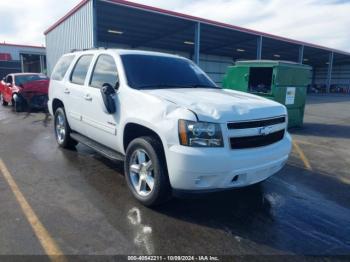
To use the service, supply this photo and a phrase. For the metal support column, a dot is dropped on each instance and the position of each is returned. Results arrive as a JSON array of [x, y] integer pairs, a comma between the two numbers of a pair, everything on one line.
[[22, 62], [329, 73], [197, 43], [41, 64], [301, 54], [94, 22], [313, 76], [259, 48]]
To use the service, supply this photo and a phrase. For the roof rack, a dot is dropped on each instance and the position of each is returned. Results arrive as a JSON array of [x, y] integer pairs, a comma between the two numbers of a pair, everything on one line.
[[87, 49]]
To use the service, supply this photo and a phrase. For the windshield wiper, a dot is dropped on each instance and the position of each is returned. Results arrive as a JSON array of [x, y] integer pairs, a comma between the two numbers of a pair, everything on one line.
[[164, 86], [205, 86], [161, 86]]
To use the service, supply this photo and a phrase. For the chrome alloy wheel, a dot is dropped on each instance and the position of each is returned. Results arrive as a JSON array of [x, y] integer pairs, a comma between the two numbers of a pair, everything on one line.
[[141, 173], [60, 128]]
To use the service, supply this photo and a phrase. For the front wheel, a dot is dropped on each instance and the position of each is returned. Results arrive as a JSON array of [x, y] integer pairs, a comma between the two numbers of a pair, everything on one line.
[[62, 130], [145, 171], [19, 106], [2, 101]]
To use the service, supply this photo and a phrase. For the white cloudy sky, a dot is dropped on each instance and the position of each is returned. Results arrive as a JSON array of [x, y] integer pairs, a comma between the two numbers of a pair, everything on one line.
[[324, 22]]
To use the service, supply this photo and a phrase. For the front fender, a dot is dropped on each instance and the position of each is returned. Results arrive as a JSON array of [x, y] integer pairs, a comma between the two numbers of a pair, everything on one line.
[[163, 123], [143, 123]]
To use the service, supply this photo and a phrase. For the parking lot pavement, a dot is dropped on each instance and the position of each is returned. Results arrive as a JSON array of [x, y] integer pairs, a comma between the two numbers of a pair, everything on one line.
[[81, 198]]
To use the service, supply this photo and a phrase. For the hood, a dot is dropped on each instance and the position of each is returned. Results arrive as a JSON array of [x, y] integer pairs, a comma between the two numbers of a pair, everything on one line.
[[39, 87], [221, 105]]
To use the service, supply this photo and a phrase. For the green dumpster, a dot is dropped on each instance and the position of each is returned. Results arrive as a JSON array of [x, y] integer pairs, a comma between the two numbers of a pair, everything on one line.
[[281, 81]]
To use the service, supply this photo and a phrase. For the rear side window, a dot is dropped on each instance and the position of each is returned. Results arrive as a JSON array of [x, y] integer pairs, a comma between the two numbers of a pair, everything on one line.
[[62, 67], [80, 70], [105, 72]]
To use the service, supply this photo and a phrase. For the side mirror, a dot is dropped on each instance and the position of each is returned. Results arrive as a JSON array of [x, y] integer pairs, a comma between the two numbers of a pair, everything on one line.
[[108, 92]]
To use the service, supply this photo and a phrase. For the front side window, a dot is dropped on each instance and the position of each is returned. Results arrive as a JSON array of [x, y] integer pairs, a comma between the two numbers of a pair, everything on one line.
[[105, 72], [162, 72], [9, 79], [62, 67], [80, 70]]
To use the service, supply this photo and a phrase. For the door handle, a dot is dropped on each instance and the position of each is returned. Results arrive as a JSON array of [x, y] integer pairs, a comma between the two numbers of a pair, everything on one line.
[[66, 91], [88, 97]]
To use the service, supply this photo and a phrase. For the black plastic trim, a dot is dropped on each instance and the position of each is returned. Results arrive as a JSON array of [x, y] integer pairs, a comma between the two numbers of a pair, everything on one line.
[[257, 123]]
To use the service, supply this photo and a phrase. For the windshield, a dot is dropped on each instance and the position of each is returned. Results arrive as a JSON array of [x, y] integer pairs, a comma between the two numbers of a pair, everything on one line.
[[158, 72], [23, 79]]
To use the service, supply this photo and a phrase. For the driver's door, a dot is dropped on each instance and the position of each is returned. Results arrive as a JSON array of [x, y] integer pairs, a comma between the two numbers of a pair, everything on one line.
[[102, 125]]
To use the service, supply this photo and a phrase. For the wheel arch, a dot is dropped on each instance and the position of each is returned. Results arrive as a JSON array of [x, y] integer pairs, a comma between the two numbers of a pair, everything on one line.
[[18, 97], [56, 103], [15, 96], [134, 130]]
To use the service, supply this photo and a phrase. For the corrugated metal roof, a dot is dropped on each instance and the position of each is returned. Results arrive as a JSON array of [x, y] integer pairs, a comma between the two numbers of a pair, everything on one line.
[[193, 18], [20, 45]]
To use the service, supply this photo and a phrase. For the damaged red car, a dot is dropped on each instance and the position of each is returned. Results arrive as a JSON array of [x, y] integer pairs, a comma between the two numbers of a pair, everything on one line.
[[24, 91]]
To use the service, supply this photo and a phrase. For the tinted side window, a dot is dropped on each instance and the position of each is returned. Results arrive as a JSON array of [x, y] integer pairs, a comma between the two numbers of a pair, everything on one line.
[[62, 67], [9, 79], [105, 71], [80, 70]]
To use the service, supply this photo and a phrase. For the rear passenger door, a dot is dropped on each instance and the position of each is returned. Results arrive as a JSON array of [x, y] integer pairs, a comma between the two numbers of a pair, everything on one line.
[[75, 92], [102, 125]]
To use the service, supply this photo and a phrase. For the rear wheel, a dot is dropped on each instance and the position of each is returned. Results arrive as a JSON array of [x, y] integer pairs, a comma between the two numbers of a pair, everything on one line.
[[145, 171], [2, 101], [62, 130]]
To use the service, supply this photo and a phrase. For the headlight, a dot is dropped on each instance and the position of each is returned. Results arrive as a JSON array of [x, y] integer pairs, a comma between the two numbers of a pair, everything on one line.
[[200, 134]]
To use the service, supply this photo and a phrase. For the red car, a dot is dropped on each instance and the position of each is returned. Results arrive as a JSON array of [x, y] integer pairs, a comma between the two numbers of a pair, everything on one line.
[[24, 91]]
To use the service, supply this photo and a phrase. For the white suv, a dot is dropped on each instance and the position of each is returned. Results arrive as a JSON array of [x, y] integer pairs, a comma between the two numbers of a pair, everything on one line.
[[161, 114]]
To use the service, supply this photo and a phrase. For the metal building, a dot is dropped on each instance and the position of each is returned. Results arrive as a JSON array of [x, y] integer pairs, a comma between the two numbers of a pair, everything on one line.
[[213, 45], [21, 58]]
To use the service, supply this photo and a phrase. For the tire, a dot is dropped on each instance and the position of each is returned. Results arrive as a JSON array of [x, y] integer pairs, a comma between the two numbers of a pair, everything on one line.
[[139, 181], [62, 130], [3, 102]]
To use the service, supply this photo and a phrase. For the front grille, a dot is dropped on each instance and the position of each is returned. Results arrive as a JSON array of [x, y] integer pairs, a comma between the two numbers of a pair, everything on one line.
[[257, 123], [256, 141]]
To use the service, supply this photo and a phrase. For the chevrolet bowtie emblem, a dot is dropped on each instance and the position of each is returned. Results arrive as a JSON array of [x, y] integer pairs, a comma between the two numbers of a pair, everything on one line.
[[264, 131]]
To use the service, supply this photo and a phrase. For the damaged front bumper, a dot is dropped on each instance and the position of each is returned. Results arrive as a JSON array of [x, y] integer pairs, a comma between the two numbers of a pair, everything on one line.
[[35, 100], [215, 169]]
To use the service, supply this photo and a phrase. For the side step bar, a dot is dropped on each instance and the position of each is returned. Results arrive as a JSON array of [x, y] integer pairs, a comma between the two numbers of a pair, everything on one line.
[[103, 150]]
